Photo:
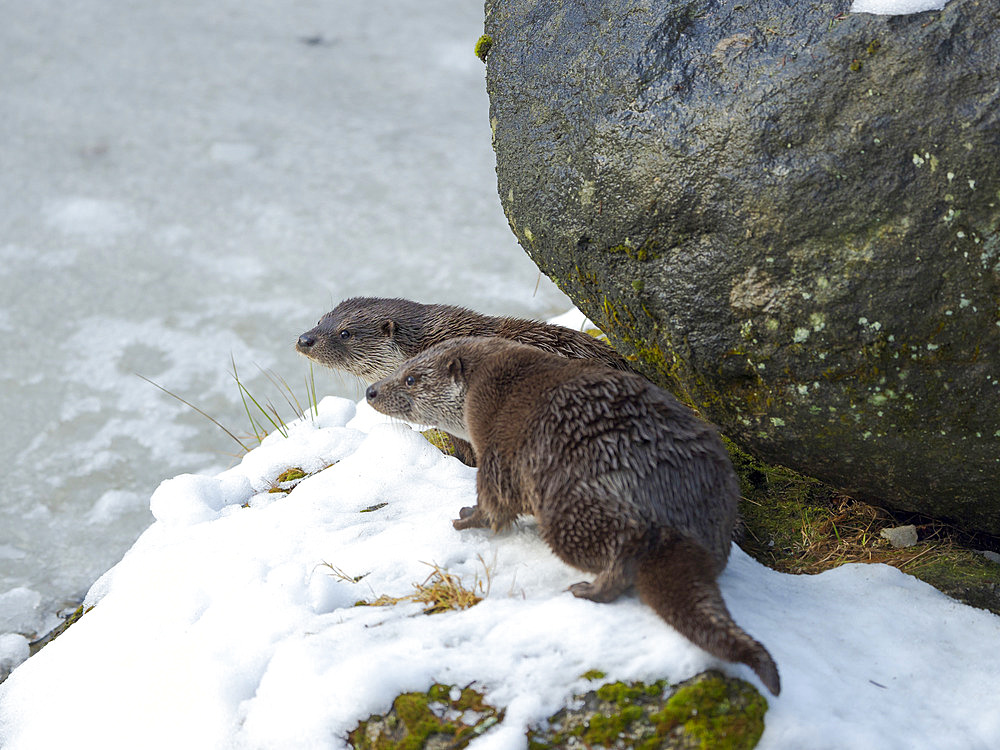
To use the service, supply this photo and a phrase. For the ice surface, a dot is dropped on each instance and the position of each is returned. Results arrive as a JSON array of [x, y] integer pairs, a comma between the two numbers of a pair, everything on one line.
[[187, 182], [231, 624], [19, 610]]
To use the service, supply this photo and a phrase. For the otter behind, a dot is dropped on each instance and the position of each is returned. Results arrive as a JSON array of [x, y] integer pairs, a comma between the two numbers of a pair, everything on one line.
[[625, 481], [371, 336]]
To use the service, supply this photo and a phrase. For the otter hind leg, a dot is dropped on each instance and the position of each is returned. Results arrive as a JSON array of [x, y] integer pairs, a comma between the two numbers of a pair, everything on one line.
[[591, 533], [610, 583], [464, 451]]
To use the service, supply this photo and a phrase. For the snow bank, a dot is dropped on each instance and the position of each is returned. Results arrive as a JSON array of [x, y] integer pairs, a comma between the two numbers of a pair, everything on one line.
[[896, 7], [226, 627]]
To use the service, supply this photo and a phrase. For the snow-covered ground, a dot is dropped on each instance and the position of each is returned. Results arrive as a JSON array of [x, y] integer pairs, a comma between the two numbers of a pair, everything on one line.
[[224, 626], [896, 7]]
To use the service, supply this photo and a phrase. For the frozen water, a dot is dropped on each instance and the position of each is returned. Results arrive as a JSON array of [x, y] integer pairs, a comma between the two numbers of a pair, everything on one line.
[[184, 182]]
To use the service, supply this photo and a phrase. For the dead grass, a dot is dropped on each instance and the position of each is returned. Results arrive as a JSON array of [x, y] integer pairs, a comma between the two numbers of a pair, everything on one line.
[[848, 531], [441, 591], [796, 524]]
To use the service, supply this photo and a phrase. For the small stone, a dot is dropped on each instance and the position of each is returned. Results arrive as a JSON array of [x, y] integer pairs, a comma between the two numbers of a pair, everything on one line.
[[901, 536]]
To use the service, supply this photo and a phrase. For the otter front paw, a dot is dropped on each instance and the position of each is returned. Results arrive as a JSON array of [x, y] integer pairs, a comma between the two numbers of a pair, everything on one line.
[[470, 518]]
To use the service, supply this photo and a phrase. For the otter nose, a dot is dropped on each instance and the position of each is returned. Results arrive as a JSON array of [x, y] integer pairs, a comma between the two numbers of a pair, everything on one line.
[[306, 341], [372, 393]]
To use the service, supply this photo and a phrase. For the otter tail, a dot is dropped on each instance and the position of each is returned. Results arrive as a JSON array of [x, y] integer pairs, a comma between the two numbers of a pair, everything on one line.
[[677, 580]]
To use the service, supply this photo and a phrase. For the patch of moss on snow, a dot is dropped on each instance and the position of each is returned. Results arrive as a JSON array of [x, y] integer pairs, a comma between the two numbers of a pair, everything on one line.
[[440, 440], [444, 717], [708, 711]]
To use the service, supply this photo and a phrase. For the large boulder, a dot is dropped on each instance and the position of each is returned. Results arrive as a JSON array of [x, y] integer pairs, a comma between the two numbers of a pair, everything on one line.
[[786, 212]]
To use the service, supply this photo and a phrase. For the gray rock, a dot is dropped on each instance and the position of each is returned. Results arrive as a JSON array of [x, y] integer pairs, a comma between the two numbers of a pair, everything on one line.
[[991, 556], [900, 536], [787, 213]]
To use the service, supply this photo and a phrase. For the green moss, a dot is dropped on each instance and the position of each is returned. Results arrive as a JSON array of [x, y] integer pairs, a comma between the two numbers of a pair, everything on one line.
[[855, 65], [286, 481], [37, 645], [483, 46], [874, 46], [417, 720], [604, 730], [648, 250], [622, 694], [593, 674], [439, 692], [290, 475], [440, 440], [962, 574], [705, 708], [709, 711]]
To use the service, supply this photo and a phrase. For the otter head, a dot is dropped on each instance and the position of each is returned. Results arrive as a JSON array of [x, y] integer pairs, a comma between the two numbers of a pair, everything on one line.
[[359, 335], [428, 389]]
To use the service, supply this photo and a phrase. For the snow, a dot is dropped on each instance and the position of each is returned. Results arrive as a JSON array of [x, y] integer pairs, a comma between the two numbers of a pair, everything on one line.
[[896, 7], [225, 627], [14, 649]]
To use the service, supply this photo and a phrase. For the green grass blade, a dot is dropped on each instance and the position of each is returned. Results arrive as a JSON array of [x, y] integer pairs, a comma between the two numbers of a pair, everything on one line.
[[192, 406]]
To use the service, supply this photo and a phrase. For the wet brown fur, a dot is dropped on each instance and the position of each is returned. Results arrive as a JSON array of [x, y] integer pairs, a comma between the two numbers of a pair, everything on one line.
[[625, 481], [382, 333]]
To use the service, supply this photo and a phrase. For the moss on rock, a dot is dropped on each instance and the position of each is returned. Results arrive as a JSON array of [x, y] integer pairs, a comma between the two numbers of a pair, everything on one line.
[[68, 620], [707, 711], [483, 46], [444, 717]]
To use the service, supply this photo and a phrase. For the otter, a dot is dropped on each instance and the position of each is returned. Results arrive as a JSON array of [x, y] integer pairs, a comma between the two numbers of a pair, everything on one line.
[[625, 481], [370, 337]]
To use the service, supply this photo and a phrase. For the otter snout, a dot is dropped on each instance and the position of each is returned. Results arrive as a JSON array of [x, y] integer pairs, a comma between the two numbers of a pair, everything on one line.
[[306, 341], [385, 396]]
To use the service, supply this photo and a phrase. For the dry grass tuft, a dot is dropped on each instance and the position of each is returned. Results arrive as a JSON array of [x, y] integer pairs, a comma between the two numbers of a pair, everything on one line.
[[441, 591], [796, 524]]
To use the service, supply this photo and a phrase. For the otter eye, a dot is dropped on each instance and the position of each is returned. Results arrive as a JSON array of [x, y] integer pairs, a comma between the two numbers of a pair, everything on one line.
[[410, 380], [345, 334]]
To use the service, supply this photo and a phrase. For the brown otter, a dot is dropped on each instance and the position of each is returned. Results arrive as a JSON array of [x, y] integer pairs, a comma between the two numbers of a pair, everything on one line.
[[625, 481], [370, 337]]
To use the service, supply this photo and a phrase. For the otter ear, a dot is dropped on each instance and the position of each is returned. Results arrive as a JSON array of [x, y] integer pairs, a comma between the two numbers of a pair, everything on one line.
[[389, 328], [456, 368]]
